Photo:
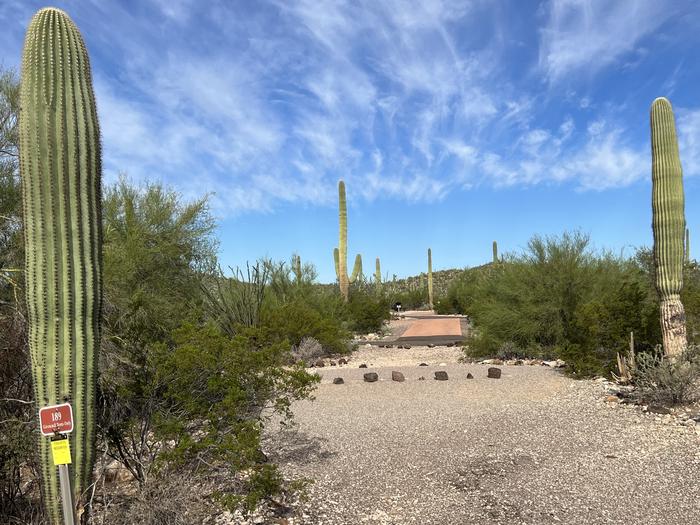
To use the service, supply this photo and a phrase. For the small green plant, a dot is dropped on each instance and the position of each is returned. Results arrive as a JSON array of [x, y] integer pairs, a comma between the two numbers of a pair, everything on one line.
[[661, 380]]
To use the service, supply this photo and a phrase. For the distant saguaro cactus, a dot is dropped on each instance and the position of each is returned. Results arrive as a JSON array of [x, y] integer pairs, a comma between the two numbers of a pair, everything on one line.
[[668, 224], [495, 251], [377, 272], [60, 165], [430, 278], [296, 267], [340, 254]]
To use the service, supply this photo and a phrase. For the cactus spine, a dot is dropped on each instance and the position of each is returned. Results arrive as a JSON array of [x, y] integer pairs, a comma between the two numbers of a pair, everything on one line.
[[495, 251], [430, 279], [60, 163], [668, 224], [340, 254]]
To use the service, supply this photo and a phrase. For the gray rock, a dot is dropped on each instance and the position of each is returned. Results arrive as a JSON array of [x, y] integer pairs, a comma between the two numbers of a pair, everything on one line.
[[421, 378], [363, 365], [397, 376], [342, 361], [371, 377], [332, 363], [319, 363], [338, 381], [407, 347], [441, 375], [494, 373], [658, 409], [423, 364], [470, 376]]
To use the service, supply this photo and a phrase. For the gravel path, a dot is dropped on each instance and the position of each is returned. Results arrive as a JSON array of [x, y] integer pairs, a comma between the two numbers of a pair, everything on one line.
[[533, 447]]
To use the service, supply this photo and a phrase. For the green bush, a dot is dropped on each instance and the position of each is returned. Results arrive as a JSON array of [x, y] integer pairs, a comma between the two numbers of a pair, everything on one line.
[[367, 312], [659, 380], [220, 391], [559, 298], [298, 319]]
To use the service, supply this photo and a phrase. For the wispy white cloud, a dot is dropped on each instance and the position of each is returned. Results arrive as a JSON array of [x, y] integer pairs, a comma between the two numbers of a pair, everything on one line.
[[589, 35]]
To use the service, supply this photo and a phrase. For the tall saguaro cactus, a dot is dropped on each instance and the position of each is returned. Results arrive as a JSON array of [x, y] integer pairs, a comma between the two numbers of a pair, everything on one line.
[[340, 254], [668, 224], [60, 165], [377, 272], [495, 251], [430, 278]]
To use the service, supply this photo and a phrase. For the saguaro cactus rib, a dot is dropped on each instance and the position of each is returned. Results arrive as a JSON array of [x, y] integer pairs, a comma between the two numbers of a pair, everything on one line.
[[668, 224], [60, 169]]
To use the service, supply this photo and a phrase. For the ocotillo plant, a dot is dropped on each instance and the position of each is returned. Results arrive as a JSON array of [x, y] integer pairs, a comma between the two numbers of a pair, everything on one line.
[[495, 251], [340, 254], [430, 278], [60, 165], [668, 224]]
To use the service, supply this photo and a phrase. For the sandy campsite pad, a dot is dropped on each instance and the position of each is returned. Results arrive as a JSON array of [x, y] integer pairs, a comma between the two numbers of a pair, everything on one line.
[[533, 447], [433, 327]]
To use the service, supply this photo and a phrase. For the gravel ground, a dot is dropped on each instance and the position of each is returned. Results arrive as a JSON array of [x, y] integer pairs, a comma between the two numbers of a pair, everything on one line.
[[532, 447]]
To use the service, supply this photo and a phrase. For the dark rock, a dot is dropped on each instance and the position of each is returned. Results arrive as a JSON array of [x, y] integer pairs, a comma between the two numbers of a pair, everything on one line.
[[319, 363], [658, 409], [421, 378], [389, 346], [338, 381], [363, 365], [342, 361], [399, 346], [332, 363], [407, 347], [397, 376], [380, 346], [431, 345], [423, 364], [494, 373], [470, 376], [441, 375], [371, 377], [449, 345]]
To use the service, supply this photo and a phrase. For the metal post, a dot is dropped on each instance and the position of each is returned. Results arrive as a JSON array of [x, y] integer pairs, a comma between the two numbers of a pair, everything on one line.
[[66, 495]]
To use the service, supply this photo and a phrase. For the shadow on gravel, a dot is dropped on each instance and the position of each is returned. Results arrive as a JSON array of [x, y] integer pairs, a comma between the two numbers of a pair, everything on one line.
[[291, 445]]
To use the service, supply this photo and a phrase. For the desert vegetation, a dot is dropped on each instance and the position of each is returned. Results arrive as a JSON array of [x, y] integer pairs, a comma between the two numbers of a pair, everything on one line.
[[113, 298]]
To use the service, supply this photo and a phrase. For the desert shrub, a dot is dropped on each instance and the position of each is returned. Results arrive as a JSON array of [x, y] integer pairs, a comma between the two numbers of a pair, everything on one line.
[[559, 298], [219, 392], [659, 380], [367, 312], [166, 500], [307, 350], [298, 318]]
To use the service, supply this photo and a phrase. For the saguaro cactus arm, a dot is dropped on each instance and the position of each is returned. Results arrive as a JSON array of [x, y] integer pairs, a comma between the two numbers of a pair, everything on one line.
[[668, 224], [60, 165], [357, 269]]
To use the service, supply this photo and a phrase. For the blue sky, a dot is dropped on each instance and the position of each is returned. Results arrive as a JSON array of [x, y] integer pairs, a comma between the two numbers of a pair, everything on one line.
[[452, 123]]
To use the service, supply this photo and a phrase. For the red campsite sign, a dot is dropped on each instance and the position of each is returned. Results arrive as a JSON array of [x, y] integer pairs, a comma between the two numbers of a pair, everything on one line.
[[56, 418]]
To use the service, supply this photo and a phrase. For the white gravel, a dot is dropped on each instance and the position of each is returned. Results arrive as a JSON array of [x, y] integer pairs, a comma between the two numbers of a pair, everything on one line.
[[533, 447]]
